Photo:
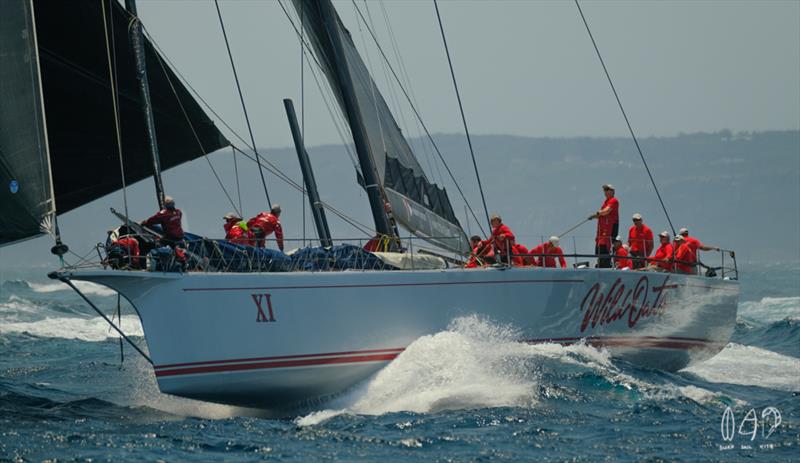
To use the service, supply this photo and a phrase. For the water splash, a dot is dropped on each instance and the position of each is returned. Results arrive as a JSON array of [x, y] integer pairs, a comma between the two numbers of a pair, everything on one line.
[[750, 366], [771, 309], [91, 330], [86, 287]]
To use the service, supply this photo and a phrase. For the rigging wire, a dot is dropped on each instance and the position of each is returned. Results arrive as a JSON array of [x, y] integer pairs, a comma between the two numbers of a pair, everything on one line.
[[241, 98], [422, 122], [302, 109], [112, 74], [463, 118], [238, 187], [624, 115]]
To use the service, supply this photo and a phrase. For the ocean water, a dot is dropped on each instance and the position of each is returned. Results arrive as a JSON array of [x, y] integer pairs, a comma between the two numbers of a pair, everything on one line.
[[466, 393]]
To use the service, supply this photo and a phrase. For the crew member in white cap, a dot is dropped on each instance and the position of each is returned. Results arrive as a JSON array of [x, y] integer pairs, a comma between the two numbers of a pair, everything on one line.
[[621, 260], [640, 241], [545, 254], [694, 243], [236, 230], [663, 255], [607, 226], [169, 222], [685, 257], [264, 224]]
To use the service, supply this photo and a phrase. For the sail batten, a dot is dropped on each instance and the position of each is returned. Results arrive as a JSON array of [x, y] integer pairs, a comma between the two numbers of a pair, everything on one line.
[[418, 204]]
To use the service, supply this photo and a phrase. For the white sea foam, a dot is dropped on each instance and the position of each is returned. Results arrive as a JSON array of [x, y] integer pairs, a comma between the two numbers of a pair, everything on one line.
[[85, 286], [15, 306], [83, 329], [750, 366], [771, 309]]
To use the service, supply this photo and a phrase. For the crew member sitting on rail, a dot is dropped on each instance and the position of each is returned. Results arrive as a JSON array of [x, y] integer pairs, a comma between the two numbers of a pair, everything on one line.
[[549, 247], [663, 255], [685, 256], [264, 224], [621, 260], [482, 254], [236, 230], [694, 243], [607, 226], [168, 222], [640, 240], [502, 238]]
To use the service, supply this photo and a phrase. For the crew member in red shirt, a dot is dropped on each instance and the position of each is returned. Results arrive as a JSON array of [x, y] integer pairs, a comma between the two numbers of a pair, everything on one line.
[[236, 230], [685, 257], [482, 253], [621, 260], [694, 243], [130, 248], [640, 241], [663, 254], [520, 258], [549, 247], [264, 224], [169, 221], [607, 226], [502, 238]]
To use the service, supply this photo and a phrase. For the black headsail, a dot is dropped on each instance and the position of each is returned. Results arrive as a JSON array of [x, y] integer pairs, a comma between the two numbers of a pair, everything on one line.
[[418, 204], [66, 42]]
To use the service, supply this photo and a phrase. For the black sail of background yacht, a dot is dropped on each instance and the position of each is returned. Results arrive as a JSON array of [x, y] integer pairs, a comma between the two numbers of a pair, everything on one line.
[[58, 141]]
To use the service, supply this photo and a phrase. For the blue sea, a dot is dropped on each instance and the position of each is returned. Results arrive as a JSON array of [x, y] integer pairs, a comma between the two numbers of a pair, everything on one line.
[[467, 393]]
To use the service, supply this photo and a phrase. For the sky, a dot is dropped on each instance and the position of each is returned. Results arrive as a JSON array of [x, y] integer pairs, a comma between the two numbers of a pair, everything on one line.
[[524, 68]]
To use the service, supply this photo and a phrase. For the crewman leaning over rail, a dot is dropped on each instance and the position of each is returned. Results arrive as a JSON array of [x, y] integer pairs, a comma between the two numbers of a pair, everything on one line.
[[685, 257], [264, 224], [550, 246], [640, 240], [520, 253], [621, 259], [694, 243], [607, 226], [663, 255]]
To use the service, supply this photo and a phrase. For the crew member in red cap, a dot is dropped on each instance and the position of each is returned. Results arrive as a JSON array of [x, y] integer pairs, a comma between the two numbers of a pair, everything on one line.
[[607, 226], [621, 260], [640, 241], [663, 255], [685, 256], [264, 224]]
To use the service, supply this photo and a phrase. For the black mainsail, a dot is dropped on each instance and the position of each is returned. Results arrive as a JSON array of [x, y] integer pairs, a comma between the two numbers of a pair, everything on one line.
[[418, 204], [57, 117]]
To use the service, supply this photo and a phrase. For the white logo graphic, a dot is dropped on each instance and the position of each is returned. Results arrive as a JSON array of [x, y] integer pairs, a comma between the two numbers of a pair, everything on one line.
[[769, 421]]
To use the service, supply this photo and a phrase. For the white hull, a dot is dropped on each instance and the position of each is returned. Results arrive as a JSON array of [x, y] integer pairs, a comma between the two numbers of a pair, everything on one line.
[[274, 340]]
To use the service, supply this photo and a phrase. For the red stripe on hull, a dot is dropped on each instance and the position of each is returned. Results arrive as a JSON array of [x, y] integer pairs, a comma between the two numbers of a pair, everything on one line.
[[396, 350], [281, 364]]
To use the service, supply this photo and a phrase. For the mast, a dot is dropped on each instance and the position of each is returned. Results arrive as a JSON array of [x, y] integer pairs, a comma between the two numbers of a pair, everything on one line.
[[308, 177], [360, 139], [137, 44]]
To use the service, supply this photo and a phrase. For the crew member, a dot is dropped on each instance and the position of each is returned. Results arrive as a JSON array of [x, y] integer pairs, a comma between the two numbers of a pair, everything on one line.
[[520, 253], [607, 226], [502, 238], [482, 253], [640, 241], [541, 257], [125, 249], [663, 255], [685, 256], [694, 243], [264, 224], [168, 222], [621, 260], [236, 230]]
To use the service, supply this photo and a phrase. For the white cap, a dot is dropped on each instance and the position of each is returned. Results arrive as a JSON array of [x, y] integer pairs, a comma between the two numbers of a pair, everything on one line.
[[168, 199], [232, 216], [683, 231], [664, 233], [554, 240], [678, 237], [637, 216], [609, 186], [618, 238]]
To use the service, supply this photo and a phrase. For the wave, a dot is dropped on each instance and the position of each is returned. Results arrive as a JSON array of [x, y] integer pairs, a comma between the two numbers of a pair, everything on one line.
[[83, 329], [85, 287], [771, 309], [750, 366], [478, 364]]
